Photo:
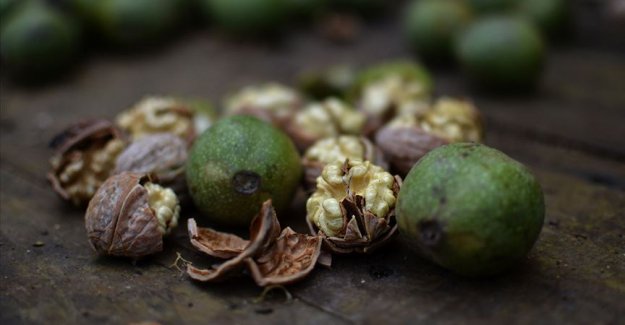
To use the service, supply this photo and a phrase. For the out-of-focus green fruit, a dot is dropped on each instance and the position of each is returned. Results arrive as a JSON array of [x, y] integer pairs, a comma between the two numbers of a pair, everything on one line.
[[489, 6], [471, 209], [551, 16], [249, 17], [134, 23], [432, 25], [38, 41], [308, 8], [236, 165], [503, 53], [6, 6]]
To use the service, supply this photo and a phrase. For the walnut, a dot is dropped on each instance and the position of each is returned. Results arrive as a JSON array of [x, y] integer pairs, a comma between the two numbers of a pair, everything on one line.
[[407, 138], [338, 148], [129, 215], [392, 89], [329, 118], [84, 158], [162, 155], [271, 102], [353, 206], [273, 257], [165, 115]]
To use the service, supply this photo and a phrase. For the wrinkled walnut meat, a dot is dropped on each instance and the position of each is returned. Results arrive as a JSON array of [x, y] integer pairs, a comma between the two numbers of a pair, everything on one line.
[[383, 99], [161, 155], [409, 137], [339, 148], [84, 158], [272, 257], [129, 215], [329, 118], [272, 102], [353, 206], [164, 115]]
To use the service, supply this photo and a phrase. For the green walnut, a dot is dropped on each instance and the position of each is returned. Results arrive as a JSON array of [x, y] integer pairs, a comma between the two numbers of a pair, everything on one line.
[[551, 16], [237, 164], [38, 41], [248, 17], [470, 209], [490, 6], [133, 23], [502, 53], [432, 25]]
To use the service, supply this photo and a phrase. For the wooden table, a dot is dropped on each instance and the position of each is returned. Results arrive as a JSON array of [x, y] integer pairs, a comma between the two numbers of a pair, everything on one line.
[[570, 133]]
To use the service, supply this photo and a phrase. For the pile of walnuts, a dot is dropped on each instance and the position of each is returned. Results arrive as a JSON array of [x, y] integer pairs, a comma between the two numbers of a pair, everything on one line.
[[356, 146]]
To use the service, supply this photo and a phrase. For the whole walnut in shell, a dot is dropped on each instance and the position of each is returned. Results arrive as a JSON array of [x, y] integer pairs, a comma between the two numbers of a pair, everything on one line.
[[129, 215], [161, 155], [84, 158], [353, 207], [409, 137]]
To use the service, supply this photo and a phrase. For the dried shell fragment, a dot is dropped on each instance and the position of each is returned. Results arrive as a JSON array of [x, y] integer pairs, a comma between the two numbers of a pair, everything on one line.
[[84, 157], [354, 206], [272, 257], [271, 102], [128, 216], [409, 137], [162, 155], [264, 229], [343, 147], [290, 258]]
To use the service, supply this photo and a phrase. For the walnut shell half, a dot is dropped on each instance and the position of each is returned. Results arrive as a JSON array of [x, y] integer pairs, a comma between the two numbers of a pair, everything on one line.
[[272, 257], [84, 158], [128, 216]]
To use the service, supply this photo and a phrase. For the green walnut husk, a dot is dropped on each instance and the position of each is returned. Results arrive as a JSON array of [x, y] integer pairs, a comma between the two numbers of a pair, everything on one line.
[[502, 53], [333, 81], [470, 209], [248, 17], [239, 163], [432, 25], [551, 16], [38, 42], [405, 69]]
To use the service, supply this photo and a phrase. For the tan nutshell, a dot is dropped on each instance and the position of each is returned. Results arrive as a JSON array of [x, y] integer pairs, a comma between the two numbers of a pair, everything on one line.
[[128, 216], [84, 157], [329, 118], [407, 138], [340, 148], [353, 206], [271, 102], [272, 257]]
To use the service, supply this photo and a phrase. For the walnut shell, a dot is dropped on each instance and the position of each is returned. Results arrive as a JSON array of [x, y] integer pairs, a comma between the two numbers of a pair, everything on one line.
[[404, 146], [84, 157], [162, 155], [272, 257], [119, 220]]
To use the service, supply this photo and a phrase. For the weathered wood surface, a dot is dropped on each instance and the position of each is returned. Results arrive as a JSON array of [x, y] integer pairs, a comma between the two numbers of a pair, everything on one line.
[[570, 134]]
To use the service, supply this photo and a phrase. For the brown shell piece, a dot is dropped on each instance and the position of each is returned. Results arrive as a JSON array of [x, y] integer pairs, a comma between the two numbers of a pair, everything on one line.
[[364, 232], [72, 143], [215, 243], [119, 221], [264, 229], [404, 146], [272, 257], [291, 257]]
